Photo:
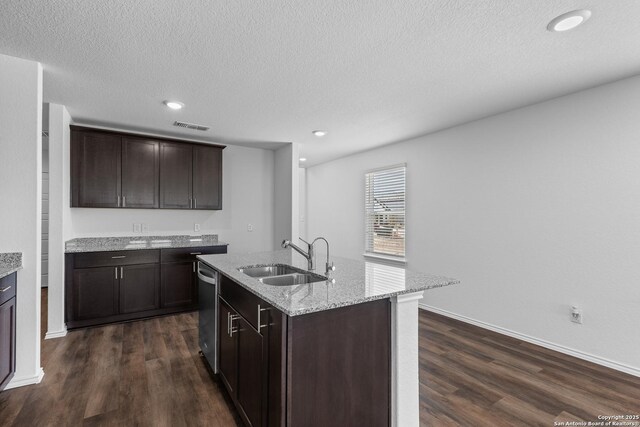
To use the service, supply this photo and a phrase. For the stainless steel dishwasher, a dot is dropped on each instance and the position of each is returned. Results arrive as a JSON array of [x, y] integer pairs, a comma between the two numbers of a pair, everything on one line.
[[208, 314]]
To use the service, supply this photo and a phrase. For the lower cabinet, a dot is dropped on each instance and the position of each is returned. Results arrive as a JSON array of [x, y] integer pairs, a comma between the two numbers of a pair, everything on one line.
[[327, 368], [139, 288], [241, 364], [7, 329], [179, 284], [105, 287], [95, 292]]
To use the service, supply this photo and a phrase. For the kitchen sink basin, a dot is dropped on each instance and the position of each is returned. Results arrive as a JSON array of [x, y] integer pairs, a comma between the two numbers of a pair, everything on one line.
[[293, 279], [269, 270]]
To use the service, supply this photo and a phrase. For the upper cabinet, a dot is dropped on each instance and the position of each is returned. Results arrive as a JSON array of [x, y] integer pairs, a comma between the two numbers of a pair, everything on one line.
[[118, 170], [96, 167], [207, 169], [176, 178], [140, 173]]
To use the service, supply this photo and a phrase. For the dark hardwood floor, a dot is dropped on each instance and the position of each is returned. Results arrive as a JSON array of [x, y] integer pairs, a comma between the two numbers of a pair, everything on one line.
[[149, 373], [474, 377]]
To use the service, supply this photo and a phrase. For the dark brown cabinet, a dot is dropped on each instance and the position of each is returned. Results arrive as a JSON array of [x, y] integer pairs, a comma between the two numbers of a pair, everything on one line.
[[241, 364], [118, 170], [178, 285], [324, 368], [96, 167], [176, 178], [190, 176], [95, 292], [106, 287], [140, 173], [139, 288], [228, 348], [7, 328], [207, 172]]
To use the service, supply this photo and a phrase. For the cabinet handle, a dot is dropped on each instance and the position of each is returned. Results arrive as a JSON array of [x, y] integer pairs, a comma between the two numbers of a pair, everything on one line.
[[195, 253], [195, 203], [194, 266], [228, 324], [121, 272], [118, 201], [118, 257], [124, 201], [260, 310], [116, 269], [5, 289], [190, 203], [233, 317]]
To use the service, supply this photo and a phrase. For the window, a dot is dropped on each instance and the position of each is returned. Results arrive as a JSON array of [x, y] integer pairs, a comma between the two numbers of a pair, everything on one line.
[[385, 211]]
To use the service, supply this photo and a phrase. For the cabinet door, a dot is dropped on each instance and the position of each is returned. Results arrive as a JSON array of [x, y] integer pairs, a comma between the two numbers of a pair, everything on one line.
[[207, 177], [140, 173], [139, 288], [227, 347], [178, 284], [251, 373], [95, 292], [176, 167], [96, 169], [7, 341]]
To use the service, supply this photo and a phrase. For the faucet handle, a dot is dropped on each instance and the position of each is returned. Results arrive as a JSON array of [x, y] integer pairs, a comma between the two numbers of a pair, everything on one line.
[[304, 241], [330, 267]]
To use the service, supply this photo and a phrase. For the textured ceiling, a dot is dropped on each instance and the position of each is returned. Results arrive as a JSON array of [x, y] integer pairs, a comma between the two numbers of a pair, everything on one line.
[[263, 72]]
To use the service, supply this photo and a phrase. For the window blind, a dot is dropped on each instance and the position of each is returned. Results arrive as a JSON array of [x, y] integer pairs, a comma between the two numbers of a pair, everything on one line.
[[385, 211]]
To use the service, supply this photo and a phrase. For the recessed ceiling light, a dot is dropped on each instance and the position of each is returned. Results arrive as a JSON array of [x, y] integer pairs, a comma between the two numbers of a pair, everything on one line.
[[568, 21], [174, 105], [303, 159], [319, 133]]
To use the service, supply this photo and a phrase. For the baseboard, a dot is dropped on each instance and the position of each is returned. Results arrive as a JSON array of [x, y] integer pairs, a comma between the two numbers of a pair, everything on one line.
[[542, 343], [21, 382], [55, 334]]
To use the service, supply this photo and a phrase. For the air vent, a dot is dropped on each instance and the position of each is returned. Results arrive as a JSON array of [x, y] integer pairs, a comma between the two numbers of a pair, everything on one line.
[[190, 126]]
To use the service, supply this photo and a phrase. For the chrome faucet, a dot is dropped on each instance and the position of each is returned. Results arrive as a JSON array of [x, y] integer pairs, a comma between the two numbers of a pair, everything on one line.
[[329, 267], [309, 254]]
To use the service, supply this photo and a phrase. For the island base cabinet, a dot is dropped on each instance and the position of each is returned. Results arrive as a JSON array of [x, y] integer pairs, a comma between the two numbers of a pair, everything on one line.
[[327, 368], [227, 347], [339, 364], [241, 364]]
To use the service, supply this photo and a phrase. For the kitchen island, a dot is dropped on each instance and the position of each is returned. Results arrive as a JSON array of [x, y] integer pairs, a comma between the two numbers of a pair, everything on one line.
[[341, 351]]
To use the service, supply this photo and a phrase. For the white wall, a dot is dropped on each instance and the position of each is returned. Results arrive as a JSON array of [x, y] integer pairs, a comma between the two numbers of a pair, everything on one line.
[[247, 198], [59, 216], [286, 195], [21, 192], [533, 210]]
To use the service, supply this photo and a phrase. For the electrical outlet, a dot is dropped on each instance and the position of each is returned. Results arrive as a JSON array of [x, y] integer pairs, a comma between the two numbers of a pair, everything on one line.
[[576, 315], [196, 227], [145, 228], [137, 228], [249, 227]]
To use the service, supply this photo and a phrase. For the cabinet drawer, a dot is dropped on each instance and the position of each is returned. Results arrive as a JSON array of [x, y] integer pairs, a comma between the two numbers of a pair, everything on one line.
[[108, 259], [7, 287], [189, 254], [243, 301]]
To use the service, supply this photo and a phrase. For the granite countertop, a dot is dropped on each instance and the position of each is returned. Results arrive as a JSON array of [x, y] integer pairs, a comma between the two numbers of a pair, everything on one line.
[[101, 244], [355, 281], [10, 263]]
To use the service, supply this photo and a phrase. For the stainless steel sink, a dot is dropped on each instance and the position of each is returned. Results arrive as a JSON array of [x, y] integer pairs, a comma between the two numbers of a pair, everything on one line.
[[292, 279], [269, 270]]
